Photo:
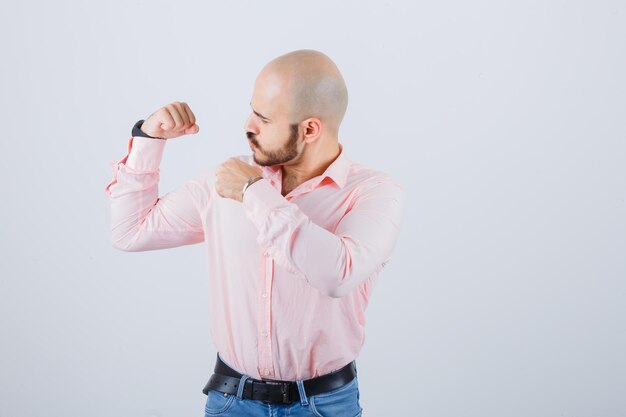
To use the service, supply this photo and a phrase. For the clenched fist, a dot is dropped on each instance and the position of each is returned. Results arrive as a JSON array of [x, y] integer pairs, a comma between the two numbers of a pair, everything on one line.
[[232, 175], [171, 121]]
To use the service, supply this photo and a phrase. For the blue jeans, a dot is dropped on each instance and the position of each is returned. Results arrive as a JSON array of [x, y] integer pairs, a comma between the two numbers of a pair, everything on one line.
[[340, 402]]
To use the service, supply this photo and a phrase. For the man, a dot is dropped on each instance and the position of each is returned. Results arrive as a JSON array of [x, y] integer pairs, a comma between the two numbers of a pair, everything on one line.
[[296, 236]]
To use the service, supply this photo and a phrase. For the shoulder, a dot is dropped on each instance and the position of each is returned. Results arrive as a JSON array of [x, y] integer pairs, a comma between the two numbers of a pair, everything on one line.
[[375, 189], [364, 177]]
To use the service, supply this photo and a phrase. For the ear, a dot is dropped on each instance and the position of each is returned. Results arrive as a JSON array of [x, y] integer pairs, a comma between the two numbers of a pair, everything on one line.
[[312, 129]]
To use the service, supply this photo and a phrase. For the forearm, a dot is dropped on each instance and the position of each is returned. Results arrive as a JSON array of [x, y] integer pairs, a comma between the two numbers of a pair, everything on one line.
[[333, 262], [140, 220]]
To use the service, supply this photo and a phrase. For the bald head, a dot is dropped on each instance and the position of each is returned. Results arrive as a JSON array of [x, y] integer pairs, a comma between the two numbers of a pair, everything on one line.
[[311, 85]]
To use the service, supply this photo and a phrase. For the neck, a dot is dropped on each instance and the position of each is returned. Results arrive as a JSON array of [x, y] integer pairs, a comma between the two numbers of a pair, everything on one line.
[[313, 163]]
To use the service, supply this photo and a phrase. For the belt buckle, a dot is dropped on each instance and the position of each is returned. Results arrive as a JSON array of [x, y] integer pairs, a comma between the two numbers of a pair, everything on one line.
[[284, 389]]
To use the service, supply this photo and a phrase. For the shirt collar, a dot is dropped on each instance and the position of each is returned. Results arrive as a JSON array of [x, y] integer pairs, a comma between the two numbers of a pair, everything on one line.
[[337, 171]]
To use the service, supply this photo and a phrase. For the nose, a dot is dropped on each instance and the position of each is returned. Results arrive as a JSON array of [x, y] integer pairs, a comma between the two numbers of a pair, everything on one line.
[[250, 125]]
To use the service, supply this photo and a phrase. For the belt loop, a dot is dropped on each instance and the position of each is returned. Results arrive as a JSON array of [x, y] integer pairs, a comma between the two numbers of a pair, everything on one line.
[[303, 398], [242, 382], [354, 364]]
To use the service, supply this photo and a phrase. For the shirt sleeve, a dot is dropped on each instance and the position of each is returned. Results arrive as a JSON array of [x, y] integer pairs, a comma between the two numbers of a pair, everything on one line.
[[140, 219], [333, 262]]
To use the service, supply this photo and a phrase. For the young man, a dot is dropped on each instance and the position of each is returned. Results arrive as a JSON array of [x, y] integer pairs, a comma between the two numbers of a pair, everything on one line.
[[296, 236]]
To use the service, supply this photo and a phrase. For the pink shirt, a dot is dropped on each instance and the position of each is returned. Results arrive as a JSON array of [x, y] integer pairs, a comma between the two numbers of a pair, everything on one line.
[[289, 277]]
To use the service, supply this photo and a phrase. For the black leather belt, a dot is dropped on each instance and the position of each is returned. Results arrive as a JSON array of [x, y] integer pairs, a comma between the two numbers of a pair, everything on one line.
[[226, 379]]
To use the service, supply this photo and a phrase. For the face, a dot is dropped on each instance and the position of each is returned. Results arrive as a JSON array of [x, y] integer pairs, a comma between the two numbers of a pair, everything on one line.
[[273, 139]]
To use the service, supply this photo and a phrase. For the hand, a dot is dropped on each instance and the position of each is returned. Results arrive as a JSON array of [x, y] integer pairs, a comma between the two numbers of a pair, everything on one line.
[[172, 120], [232, 175]]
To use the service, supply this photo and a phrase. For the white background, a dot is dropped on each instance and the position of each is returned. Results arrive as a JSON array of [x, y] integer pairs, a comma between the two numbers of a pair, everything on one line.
[[504, 121]]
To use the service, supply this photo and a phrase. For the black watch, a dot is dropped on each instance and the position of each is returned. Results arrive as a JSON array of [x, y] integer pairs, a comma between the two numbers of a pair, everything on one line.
[[138, 132]]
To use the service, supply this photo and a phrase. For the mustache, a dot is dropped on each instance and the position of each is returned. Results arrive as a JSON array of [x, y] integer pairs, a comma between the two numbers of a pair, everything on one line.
[[252, 138]]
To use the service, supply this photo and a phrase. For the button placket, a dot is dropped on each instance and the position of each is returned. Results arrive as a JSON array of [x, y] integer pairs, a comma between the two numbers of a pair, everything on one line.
[[264, 344]]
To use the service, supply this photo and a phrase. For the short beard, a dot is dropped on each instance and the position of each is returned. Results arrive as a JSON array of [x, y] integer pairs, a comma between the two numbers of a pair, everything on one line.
[[281, 156]]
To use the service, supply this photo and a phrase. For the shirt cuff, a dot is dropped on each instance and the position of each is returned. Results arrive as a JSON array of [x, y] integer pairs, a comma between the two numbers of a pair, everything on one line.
[[145, 154], [260, 199]]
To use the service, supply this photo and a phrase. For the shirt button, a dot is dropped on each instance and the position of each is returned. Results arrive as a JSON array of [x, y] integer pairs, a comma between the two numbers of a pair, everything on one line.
[[264, 295], [266, 372], [265, 334]]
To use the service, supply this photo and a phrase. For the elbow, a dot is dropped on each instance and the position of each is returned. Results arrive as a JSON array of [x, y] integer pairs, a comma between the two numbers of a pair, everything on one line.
[[338, 289], [342, 284], [120, 247], [329, 288], [123, 249], [123, 245], [337, 293], [345, 285]]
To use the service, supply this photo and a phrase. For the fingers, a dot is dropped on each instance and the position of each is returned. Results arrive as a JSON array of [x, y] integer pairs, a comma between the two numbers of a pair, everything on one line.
[[177, 116], [174, 113], [166, 119], [190, 116], [192, 130], [170, 121]]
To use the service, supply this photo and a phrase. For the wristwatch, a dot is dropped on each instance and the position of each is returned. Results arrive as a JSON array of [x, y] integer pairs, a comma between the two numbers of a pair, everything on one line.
[[138, 132], [250, 181]]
